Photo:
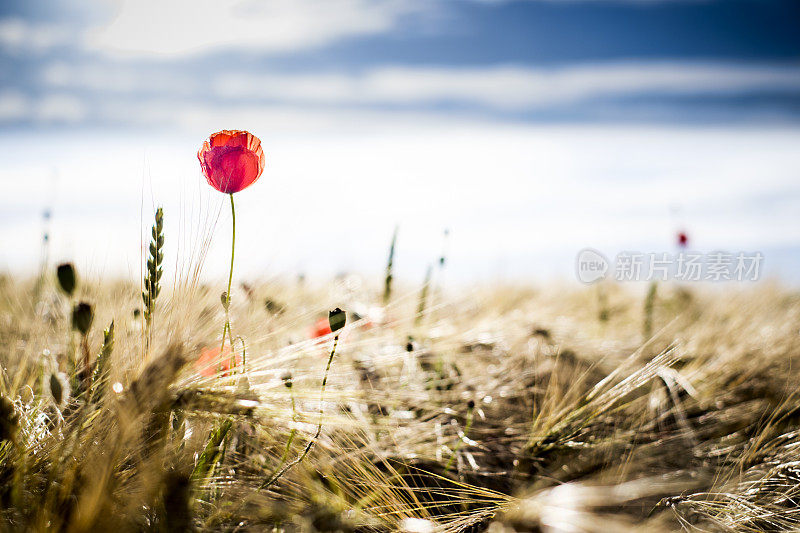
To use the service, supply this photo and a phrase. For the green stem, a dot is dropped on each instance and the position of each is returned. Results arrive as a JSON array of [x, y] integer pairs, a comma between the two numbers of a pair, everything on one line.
[[293, 432], [232, 365], [233, 246], [467, 427], [310, 444], [227, 325], [244, 350], [210, 455]]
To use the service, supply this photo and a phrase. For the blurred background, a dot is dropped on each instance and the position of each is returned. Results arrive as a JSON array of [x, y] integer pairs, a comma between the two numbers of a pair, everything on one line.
[[529, 128]]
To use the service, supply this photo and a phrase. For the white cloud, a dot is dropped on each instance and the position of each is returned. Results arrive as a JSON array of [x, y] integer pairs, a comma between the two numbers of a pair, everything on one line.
[[14, 106], [128, 95], [505, 88], [56, 107], [181, 28], [288, 119], [119, 78], [19, 35], [61, 108], [512, 87]]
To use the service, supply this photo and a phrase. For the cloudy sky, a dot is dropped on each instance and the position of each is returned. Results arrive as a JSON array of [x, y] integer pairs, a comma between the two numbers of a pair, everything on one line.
[[530, 128]]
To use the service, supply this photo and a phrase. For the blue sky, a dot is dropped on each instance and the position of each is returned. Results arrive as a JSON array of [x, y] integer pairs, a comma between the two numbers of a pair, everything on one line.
[[523, 60], [530, 128]]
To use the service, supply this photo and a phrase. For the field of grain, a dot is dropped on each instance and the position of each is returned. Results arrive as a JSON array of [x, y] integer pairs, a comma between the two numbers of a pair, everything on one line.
[[495, 408]]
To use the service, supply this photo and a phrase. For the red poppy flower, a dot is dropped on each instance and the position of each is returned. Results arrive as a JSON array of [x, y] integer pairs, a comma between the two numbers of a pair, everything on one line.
[[212, 362], [231, 160], [321, 328], [683, 239]]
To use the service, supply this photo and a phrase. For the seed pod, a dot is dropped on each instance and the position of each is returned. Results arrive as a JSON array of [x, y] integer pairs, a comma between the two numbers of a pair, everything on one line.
[[287, 380], [224, 299], [82, 316], [273, 307], [56, 390], [67, 278], [9, 419], [337, 319]]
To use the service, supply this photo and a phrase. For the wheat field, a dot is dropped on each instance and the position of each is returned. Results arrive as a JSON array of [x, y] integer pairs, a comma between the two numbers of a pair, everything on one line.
[[496, 408]]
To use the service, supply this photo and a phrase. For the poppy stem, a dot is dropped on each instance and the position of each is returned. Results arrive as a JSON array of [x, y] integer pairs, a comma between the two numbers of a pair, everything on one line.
[[313, 440], [227, 326], [291, 434], [233, 246]]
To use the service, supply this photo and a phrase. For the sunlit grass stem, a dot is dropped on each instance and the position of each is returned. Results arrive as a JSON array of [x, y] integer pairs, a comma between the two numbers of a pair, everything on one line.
[[313, 440], [293, 432], [467, 427], [649, 303]]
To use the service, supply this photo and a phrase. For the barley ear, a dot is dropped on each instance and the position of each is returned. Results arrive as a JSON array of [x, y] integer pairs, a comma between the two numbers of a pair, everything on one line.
[[152, 279], [423, 297], [387, 288], [100, 374], [211, 453]]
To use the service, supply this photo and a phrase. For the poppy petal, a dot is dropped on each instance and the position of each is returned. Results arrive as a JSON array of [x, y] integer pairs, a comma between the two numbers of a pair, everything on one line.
[[231, 160]]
